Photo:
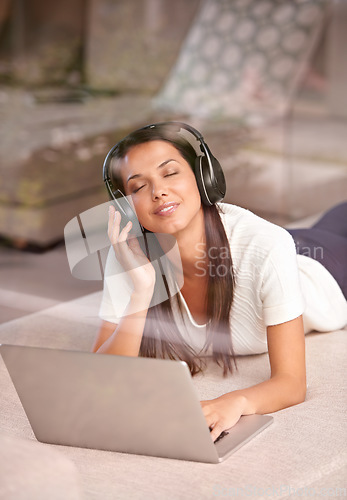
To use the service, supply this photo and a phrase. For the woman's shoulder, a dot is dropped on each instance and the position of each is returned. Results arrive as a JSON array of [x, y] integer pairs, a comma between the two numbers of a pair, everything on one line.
[[242, 223]]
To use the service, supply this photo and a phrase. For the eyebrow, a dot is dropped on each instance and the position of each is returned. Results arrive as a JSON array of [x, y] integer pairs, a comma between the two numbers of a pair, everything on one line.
[[135, 176]]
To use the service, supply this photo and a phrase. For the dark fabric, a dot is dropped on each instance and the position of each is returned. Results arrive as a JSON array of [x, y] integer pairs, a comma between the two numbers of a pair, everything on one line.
[[326, 242]]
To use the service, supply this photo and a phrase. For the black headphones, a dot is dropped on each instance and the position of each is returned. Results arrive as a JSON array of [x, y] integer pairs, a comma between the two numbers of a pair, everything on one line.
[[208, 172]]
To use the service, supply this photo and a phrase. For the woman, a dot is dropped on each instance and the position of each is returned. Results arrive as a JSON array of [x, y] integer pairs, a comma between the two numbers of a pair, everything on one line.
[[256, 306]]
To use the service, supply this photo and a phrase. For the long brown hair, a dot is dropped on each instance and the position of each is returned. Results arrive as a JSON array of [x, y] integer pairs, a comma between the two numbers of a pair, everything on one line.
[[161, 337]]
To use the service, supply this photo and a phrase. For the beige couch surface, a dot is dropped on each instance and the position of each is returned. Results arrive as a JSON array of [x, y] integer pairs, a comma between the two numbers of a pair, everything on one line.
[[302, 454]]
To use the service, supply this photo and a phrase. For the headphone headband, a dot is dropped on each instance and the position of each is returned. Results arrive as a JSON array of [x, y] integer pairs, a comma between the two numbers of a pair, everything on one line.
[[203, 146], [208, 172]]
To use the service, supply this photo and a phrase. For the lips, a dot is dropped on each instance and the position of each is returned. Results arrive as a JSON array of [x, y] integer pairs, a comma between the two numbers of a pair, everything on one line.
[[167, 209]]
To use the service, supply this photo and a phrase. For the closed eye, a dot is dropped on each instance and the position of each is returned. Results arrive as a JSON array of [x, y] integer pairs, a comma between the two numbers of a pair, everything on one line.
[[143, 185], [138, 189]]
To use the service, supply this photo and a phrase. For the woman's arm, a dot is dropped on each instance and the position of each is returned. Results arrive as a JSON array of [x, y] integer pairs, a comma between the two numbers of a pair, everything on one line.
[[104, 333], [286, 386], [125, 338]]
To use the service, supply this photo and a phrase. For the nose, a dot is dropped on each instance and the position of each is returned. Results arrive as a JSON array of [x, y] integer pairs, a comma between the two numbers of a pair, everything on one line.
[[159, 189]]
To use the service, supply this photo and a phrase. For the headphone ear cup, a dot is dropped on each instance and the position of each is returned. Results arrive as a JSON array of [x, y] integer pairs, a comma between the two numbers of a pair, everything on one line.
[[218, 182], [127, 213], [212, 188], [199, 176]]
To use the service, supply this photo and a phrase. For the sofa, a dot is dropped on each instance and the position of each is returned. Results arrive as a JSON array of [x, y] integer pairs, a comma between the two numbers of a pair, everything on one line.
[[303, 453]]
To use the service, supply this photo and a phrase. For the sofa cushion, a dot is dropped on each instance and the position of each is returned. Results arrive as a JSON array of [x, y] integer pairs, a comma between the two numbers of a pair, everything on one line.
[[305, 447]]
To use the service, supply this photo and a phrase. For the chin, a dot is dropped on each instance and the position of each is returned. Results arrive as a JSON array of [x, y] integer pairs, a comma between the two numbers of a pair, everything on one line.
[[166, 227]]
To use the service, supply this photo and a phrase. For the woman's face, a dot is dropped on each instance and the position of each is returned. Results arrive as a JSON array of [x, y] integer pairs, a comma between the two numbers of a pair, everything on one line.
[[162, 186]]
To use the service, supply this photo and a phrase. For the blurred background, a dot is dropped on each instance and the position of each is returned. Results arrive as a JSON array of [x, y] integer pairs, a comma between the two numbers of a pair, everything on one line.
[[263, 80]]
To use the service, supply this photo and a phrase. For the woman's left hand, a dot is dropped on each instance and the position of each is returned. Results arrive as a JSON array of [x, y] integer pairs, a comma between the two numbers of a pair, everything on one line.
[[223, 412]]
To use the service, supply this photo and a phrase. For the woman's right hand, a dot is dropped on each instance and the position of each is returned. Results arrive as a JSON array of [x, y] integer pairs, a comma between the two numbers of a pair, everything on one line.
[[130, 255]]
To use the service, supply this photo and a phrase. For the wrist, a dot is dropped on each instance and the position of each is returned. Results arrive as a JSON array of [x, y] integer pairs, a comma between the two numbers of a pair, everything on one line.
[[142, 298], [239, 401]]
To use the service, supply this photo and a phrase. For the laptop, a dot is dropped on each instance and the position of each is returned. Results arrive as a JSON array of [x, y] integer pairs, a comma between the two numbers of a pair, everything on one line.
[[145, 406]]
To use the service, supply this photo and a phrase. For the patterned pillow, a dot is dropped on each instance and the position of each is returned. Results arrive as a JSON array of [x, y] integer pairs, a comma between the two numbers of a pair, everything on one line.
[[243, 58]]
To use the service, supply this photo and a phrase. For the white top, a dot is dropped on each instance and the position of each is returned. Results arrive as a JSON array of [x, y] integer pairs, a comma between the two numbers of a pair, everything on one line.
[[272, 285]]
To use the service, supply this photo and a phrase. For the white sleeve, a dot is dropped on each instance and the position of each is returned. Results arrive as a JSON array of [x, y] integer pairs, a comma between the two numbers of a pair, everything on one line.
[[117, 290], [281, 294]]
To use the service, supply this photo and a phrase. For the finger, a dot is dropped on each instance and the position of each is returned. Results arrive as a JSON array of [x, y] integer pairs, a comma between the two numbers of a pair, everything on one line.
[[215, 425], [210, 417], [113, 224], [123, 251], [206, 408], [124, 233], [134, 245], [217, 429]]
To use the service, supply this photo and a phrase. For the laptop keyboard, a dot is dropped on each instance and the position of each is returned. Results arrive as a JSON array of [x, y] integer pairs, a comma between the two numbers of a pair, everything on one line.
[[224, 433]]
